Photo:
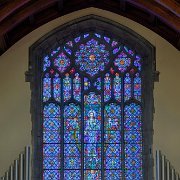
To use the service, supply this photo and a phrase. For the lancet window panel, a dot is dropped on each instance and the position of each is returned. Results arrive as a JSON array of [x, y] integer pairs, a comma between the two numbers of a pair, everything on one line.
[[92, 110]]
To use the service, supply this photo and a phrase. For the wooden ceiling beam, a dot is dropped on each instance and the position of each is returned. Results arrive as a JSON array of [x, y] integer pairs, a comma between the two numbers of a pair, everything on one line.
[[11, 7], [154, 7], [24, 13]]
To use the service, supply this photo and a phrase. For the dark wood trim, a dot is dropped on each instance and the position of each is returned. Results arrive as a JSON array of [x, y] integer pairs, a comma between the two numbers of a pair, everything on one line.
[[162, 17]]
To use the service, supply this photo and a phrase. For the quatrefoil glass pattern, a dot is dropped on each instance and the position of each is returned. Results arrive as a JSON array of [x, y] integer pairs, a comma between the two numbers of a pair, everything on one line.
[[62, 62], [122, 62], [92, 57], [92, 115]]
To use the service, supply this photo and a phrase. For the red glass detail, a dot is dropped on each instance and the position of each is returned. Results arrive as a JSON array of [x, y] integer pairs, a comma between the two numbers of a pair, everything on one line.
[[112, 71], [52, 71], [132, 71], [72, 71]]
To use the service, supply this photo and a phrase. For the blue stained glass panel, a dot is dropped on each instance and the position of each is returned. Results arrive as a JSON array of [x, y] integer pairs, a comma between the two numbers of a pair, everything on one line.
[[137, 87], [112, 162], [72, 150], [46, 63], [97, 83], [67, 89], [57, 88], [51, 110], [133, 150], [113, 174], [87, 83], [137, 62], [107, 87], [77, 87], [46, 88], [51, 150], [72, 162], [112, 136], [112, 149], [51, 175], [134, 174], [51, 137], [51, 124], [117, 87], [72, 175], [127, 87], [92, 174], [133, 162], [112, 114], [51, 162]]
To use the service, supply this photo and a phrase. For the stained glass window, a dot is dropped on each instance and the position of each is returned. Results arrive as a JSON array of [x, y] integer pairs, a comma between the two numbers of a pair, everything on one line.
[[92, 110]]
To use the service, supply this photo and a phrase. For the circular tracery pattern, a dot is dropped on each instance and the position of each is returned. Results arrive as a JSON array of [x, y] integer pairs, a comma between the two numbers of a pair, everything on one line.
[[122, 62], [62, 62], [92, 57]]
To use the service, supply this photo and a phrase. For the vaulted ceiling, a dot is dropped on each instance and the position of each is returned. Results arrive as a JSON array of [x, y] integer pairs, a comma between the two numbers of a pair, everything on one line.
[[20, 17]]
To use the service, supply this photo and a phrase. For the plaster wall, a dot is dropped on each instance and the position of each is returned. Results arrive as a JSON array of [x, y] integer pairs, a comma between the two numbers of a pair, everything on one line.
[[15, 119]]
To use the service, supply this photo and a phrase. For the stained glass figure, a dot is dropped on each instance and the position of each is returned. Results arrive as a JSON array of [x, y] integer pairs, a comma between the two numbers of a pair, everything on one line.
[[67, 87], [77, 87], [92, 57], [46, 88], [112, 149], [57, 88], [137, 87], [72, 139], [61, 62], [92, 126], [127, 87], [92, 132], [107, 87], [122, 62], [117, 87]]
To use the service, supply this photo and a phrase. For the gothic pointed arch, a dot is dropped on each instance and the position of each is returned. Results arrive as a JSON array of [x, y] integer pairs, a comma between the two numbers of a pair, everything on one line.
[[92, 102]]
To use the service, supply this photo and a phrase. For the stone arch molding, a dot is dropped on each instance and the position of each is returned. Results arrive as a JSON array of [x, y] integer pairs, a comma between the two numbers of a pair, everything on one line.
[[61, 35]]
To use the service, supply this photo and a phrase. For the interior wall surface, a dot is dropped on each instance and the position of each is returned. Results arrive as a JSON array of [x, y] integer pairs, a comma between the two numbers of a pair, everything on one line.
[[15, 95]]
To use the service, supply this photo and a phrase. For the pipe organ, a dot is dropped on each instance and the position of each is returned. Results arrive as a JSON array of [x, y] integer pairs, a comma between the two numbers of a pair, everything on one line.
[[21, 168], [163, 169]]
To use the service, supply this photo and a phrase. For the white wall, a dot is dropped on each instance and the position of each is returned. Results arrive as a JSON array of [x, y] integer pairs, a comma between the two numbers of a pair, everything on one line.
[[15, 119]]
